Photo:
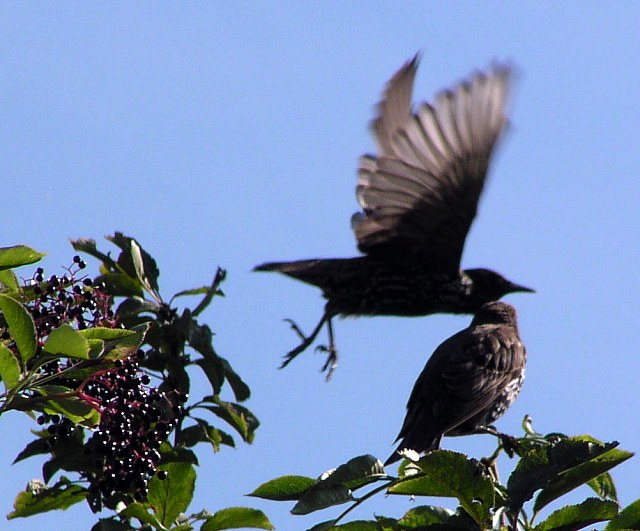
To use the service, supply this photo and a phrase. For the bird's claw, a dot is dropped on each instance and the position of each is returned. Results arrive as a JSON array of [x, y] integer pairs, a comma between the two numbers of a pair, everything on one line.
[[294, 326], [332, 359]]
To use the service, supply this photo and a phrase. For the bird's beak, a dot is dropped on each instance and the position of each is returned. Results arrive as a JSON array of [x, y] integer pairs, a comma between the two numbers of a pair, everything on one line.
[[518, 287]]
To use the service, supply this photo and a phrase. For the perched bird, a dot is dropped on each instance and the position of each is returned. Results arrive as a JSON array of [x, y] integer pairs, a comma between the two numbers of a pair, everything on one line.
[[468, 383], [419, 196]]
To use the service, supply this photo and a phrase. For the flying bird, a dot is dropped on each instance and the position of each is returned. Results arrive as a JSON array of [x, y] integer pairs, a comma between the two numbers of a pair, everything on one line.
[[419, 195], [468, 383]]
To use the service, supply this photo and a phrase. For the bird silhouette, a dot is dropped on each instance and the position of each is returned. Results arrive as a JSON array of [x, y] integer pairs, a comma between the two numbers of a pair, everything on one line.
[[419, 195], [468, 382]]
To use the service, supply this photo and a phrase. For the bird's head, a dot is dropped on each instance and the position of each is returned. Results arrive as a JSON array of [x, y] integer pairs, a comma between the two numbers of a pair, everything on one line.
[[495, 312], [491, 286]]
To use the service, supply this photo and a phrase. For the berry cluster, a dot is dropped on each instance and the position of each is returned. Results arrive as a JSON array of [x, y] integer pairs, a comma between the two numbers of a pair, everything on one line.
[[122, 452], [71, 298], [135, 420]]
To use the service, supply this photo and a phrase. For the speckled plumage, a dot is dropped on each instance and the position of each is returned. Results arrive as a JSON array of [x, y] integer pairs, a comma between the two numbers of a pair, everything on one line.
[[419, 196], [468, 382]]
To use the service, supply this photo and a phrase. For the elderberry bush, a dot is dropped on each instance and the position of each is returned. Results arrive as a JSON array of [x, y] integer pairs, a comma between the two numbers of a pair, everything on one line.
[[103, 364]]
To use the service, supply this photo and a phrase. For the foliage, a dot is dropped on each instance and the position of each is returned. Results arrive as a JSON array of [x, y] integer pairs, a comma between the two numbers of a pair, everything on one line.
[[548, 467], [109, 389]]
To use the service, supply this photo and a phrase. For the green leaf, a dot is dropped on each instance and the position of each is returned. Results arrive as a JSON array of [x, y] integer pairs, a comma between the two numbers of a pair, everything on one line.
[[541, 467], [425, 515], [628, 518], [149, 279], [355, 473], [96, 348], [572, 517], [331, 524], [172, 496], [203, 432], [236, 518], [18, 255], [106, 334], [68, 342], [285, 488], [21, 327], [111, 524], [213, 290], [451, 474], [121, 285], [604, 487], [9, 280], [321, 496], [61, 496], [137, 263], [595, 460], [139, 511], [61, 400], [358, 525], [9, 367], [237, 416], [36, 447], [88, 246], [214, 371], [240, 389]]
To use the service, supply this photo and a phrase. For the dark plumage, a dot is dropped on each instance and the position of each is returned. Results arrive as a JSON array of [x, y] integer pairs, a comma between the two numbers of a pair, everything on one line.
[[419, 196], [468, 383]]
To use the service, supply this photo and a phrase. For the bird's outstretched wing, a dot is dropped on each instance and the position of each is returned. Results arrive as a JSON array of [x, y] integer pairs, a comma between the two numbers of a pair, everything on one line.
[[420, 193]]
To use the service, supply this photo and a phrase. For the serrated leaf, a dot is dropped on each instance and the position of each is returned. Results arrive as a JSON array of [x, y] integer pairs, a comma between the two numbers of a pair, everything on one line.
[[87, 245], [237, 416], [452, 474], [121, 285], [573, 517], [236, 518], [567, 480], [426, 515], [62, 400], [137, 263], [9, 367], [330, 524], [107, 334], [285, 488], [21, 327], [96, 348], [35, 447], [110, 524], [8, 280], [135, 306], [172, 496], [355, 473], [214, 371], [68, 342], [213, 290], [147, 274], [604, 487], [60, 496], [321, 496], [139, 511], [203, 432], [18, 255], [240, 389], [541, 464], [627, 518]]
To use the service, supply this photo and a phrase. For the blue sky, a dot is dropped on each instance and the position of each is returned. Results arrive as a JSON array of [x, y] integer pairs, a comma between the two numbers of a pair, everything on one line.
[[228, 134]]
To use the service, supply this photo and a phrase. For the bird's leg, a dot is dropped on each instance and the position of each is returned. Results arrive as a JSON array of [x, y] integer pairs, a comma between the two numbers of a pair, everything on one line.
[[332, 359], [306, 340]]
